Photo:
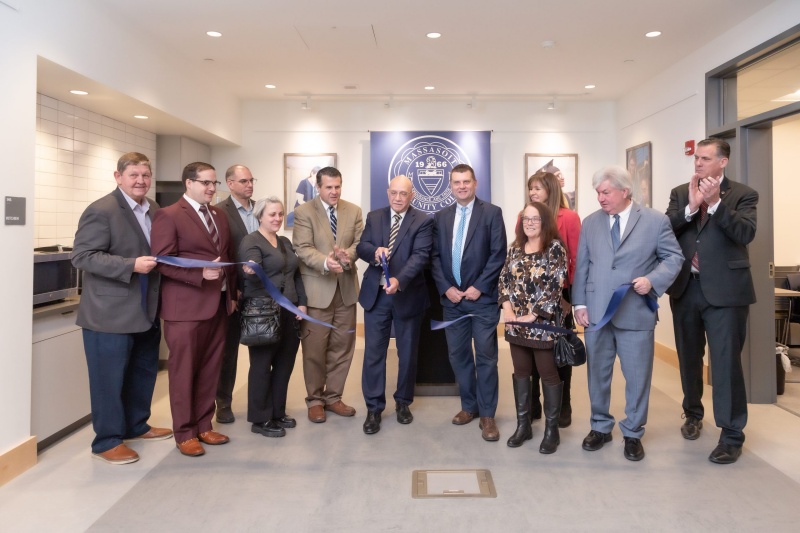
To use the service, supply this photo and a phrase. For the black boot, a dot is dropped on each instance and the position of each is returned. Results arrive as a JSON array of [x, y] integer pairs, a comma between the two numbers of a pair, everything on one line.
[[565, 418], [536, 406], [552, 408], [522, 393]]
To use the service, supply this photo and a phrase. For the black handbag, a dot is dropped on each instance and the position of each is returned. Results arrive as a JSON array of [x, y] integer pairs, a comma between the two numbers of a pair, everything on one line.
[[261, 321], [569, 350]]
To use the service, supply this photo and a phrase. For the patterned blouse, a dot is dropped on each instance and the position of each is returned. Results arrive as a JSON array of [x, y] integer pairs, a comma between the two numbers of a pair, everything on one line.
[[532, 284]]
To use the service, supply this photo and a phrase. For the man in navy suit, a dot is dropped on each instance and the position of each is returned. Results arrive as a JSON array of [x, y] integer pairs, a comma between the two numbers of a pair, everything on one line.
[[714, 219], [403, 235], [469, 249]]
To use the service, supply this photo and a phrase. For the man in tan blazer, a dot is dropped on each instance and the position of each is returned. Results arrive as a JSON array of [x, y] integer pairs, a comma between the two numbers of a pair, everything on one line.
[[326, 233]]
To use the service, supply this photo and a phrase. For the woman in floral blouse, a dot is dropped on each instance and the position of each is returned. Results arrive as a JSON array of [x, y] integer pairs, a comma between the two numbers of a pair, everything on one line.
[[530, 291]]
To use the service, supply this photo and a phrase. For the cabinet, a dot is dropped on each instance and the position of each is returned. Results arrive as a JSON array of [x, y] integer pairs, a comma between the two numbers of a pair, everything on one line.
[[174, 153], [59, 379]]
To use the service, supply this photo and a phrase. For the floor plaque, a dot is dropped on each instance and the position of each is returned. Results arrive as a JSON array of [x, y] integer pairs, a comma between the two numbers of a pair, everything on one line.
[[452, 484]]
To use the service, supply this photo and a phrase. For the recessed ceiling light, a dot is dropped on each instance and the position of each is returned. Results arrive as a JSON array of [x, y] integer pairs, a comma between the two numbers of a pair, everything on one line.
[[141, 117], [213, 34], [548, 44], [791, 97], [652, 34], [80, 93], [269, 86], [434, 35], [430, 88], [590, 86]]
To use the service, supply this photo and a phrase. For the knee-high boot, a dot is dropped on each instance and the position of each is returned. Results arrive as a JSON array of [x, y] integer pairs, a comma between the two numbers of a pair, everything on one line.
[[522, 393], [535, 412], [565, 418], [552, 408]]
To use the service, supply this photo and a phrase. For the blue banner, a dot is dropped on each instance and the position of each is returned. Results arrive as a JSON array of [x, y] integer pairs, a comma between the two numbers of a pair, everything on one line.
[[427, 157]]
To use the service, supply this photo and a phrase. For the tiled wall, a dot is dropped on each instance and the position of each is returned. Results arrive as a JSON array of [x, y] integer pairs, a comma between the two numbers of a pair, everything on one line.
[[76, 156]]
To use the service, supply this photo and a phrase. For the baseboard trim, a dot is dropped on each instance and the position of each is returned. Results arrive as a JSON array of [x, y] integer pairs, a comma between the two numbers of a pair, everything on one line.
[[17, 460]]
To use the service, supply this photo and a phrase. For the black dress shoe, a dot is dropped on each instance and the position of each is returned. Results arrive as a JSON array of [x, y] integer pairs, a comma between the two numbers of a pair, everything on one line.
[[725, 454], [634, 451], [373, 423], [225, 414], [595, 440], [268, 429], [286, 422], [404, 415], [691, 428]]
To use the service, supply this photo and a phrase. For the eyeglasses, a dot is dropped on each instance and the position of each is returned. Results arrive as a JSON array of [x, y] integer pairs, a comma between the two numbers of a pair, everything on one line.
[[206, 183], [531, 220], [247, 182], [401, 194]]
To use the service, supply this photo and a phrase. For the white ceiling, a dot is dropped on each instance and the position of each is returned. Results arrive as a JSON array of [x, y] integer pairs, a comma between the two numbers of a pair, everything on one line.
[[488, 50]]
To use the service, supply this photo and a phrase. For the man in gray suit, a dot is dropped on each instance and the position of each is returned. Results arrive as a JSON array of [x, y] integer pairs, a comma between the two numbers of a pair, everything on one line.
[[621, 243], [118, 311], [238, 207]]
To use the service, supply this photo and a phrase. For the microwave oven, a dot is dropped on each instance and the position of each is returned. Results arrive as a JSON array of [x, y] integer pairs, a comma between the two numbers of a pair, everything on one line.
[[54, 277]]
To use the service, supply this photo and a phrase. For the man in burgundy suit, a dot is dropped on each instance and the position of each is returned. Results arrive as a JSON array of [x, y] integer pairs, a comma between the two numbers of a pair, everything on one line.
[[194, 305]]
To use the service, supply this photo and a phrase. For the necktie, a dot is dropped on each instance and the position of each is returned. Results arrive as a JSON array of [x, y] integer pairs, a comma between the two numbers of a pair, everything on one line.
[[212, 229], [393, 233], [703, 214], [457, 246], [332, 211], [615, 233]]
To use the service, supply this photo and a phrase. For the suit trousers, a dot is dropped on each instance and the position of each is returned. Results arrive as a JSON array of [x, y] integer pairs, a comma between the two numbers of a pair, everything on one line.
[[377, 330], [230, 358], [726, 327], [476, 373], [270, 369], [327, 353], [195, 358], [122, 376], [635, 349]]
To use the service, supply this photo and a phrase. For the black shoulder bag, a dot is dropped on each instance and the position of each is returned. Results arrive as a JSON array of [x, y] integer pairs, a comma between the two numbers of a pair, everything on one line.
[[261, 316]]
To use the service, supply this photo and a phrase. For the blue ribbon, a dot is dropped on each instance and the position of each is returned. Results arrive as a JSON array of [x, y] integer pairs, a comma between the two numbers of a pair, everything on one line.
[[435, 324], [616, 300], [385, 266], [272, 290]]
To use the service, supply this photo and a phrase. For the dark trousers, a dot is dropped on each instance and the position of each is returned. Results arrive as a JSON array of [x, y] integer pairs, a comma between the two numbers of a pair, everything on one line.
[[726, 327], [377, 330], [195, 357], [270, 370], [476, 373], [122, 376], [227, 374], [526, 360]]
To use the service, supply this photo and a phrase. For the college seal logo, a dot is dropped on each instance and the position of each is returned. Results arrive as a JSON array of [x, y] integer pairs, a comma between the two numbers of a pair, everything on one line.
[[427, 161]]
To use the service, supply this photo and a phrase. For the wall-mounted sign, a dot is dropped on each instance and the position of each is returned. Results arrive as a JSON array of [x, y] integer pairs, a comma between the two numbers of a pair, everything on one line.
[[15, 211]]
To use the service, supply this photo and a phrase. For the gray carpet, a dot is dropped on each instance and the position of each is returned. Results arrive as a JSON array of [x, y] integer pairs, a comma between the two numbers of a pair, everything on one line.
[[331, 477]]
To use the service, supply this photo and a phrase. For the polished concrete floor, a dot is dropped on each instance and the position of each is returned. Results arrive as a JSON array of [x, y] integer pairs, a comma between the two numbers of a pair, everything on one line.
[[331, 477]]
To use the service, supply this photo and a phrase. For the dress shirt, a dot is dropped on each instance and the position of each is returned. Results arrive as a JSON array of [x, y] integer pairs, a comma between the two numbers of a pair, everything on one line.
[[624, 215], [457, 221], [140, 212], [246, 213], [196, 206], [711, 210]]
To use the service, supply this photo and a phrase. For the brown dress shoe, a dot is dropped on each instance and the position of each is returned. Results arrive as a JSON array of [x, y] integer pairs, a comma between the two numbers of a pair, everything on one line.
[[464, 417], [341, 409], [316, 413], [191, 447], [118, 455], [213, 438], [155, 434], [489, 429]]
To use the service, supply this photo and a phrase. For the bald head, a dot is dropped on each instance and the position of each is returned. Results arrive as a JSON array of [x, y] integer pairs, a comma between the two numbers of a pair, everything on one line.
[[400, 192]]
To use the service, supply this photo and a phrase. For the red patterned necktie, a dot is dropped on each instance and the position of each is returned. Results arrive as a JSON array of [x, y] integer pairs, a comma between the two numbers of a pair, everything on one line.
[[703, 214], [212, 229]]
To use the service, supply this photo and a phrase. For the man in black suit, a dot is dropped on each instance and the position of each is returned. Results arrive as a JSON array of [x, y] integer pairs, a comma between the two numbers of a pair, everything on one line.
[[403, 235], [714, 220], [469, 249], [238, 207]]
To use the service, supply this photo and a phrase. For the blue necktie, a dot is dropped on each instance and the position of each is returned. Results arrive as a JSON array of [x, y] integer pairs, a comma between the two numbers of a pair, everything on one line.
[[457, 246], [615, 233]]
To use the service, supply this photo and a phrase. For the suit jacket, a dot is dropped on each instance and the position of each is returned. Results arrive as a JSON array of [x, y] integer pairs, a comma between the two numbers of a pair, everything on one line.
[[238, 231], [483, 255], [178, 231], [107, 243], [647, 248], [411, 254], [721, 241], [313, 241]]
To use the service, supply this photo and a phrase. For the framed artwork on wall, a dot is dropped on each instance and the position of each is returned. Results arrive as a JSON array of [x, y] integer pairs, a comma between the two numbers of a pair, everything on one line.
[[639, 161], [300, 171], [565, 168]]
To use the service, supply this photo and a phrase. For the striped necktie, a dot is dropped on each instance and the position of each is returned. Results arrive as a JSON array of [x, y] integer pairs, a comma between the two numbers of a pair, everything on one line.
[[457, 245], [703, 214], [393, 233], [212, 229], [332, 211]]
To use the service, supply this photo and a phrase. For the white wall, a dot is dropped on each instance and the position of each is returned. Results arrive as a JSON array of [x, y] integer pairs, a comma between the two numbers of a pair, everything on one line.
[[785, 183], [670, 109]]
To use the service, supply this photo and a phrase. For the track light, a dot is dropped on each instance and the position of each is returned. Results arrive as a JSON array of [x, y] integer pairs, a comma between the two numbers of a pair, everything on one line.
[[305, 106]]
